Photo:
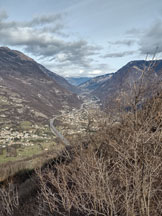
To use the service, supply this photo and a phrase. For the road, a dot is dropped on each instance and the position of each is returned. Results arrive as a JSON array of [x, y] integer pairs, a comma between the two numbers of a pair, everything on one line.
[[57, 133]]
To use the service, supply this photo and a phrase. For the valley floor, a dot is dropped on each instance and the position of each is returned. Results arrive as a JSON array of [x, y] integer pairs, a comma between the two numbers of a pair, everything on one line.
[[28, 141]]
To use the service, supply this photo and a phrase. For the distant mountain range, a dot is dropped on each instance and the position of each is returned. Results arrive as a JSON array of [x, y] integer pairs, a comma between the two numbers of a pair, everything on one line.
[[29, 91], [95, 82], [122, 82], [112, 87], [76, 81]]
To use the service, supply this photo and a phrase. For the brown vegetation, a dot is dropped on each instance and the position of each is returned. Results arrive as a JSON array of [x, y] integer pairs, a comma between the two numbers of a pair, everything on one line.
[[122, 177], [9, 200], [118, 172]]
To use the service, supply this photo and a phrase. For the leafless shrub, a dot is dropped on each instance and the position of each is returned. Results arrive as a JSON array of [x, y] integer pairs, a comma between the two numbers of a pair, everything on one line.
[[82, 187], [121, 170], [9, 199]]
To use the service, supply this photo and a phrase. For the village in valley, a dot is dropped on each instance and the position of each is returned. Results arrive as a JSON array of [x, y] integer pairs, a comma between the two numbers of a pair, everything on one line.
[[27, 138]]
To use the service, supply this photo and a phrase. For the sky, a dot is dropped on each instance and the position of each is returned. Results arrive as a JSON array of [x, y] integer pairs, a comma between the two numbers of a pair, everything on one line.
[[78, 38]]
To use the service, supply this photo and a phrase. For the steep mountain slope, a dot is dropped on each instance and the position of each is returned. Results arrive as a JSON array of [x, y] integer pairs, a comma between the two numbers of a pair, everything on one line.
[[77, 80], [60, 80], [95, 82], [28, 91], [149, 72]]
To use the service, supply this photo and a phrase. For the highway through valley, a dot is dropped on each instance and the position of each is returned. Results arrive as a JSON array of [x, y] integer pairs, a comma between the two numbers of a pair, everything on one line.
[[57, 133]]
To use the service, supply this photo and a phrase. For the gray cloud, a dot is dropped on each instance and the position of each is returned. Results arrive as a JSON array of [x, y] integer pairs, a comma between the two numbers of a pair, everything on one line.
[[3, 15], [43, 23], [134, 32], [41, 37], [43, 20], [119, 54], [151, 40], [126, 42], [71, 70], [64, 53]]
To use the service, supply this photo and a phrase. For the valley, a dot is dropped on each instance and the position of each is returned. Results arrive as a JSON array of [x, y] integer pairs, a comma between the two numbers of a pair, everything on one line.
[[40, 110], [80, 108], [58, 139], [25, 138], [75, 123]]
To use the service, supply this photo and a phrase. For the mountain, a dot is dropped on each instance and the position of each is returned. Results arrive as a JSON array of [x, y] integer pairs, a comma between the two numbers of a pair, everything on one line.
[[95, 82], [77, 80], [121, 82], [60, 80], [28, 91]]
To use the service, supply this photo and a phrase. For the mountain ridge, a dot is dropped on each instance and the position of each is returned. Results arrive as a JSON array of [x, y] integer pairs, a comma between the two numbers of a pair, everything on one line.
[[76, 81], [93, 83], [29, 91], [122, 80]]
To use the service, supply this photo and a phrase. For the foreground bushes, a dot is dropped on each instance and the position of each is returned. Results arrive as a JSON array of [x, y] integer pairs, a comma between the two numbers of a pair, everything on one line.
[[120, 173], [117, 172]]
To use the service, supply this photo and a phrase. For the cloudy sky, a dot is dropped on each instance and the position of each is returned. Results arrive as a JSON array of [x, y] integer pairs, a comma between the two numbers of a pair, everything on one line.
[[82, 37]]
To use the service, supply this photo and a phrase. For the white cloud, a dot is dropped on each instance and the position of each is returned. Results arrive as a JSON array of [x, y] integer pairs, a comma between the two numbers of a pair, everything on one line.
[[96, 72], [49, 45]]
